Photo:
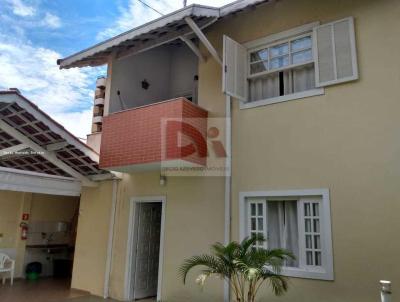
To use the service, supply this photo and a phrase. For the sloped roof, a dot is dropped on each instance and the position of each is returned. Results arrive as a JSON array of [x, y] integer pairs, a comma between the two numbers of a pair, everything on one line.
[[37, 127], [157, 32]]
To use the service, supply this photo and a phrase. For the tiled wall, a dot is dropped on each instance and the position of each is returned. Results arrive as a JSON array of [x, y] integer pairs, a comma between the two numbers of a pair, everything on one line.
[[134, 136], [40, 231]]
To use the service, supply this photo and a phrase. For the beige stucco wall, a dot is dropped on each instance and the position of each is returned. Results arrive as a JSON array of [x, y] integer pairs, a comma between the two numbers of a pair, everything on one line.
[[346, 141], [92, 238], [12, 205], [94, 141], [10, 209], [194, 220], [53, 208]]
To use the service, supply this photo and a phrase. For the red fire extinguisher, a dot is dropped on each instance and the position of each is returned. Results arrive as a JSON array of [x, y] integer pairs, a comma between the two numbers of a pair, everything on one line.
[[24, 230]]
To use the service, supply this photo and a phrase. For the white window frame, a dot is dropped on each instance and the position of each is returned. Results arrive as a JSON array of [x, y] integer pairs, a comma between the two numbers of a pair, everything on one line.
[[277, 39], [250, 216], [323, 272], [289, 54]]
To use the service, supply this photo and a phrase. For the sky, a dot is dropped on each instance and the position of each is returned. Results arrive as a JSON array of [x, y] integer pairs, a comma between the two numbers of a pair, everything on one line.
[[35, 33]]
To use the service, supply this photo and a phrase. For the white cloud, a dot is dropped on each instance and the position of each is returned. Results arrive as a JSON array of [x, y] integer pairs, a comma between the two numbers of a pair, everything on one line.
[[51, 21], [19, 8], [135, 14], [65, 95], [32, 17], [78, 123]]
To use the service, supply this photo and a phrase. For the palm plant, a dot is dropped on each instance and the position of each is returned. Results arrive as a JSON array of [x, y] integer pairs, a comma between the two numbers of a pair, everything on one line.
[[243, 266]]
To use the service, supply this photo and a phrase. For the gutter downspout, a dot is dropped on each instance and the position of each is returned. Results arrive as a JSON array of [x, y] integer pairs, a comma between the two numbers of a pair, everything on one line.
[[386, 291], [110, 240], [228, 182]]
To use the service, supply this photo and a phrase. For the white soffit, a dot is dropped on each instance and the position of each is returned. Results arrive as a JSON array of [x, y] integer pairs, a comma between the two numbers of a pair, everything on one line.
[[26, 181], [7, 98], [237, 6], [154, 33], [50, 148], [166, 28]]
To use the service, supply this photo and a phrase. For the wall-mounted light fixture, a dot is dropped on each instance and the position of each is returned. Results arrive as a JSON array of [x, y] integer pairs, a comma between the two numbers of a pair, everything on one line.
[[145, 84], [163, 180]]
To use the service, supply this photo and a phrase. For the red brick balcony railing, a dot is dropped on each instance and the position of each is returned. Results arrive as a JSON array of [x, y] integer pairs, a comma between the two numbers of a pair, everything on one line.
[[137, 138]]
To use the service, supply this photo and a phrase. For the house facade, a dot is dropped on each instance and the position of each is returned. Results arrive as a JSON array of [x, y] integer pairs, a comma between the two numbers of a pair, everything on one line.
[[307, 94]]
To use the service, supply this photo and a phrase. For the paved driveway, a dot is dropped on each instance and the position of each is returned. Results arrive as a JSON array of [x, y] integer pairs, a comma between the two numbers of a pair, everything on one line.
[[47, 290], [44, 290]]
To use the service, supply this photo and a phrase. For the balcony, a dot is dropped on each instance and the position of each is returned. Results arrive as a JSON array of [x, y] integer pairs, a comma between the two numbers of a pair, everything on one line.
[[169, 132], [99, 102], [97, 119]]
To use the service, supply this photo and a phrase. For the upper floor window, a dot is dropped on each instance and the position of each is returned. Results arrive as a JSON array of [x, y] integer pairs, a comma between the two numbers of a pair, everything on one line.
[[292, 64], [280, 56], [297, 221], [281, 68]]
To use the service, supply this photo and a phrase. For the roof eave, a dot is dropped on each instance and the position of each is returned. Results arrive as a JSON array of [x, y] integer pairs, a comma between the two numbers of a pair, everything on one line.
[[192, 10], [15, 97], [238, 5]]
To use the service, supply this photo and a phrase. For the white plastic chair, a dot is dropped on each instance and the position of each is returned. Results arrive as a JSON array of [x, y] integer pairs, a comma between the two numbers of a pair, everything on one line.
[[7, 265]]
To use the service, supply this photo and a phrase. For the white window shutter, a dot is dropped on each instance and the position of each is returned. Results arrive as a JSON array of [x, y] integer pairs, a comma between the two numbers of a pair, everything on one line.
[[335, 53], [234, 73]]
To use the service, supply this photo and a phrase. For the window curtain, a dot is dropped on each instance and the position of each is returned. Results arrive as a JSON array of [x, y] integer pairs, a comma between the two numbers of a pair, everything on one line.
[[292, 232], [282, 228], [303, 79], [274, 223], [264, 87], [294, 80]]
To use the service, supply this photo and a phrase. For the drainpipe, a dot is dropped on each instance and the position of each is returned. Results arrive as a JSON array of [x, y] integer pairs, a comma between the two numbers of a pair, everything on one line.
[[228, 180], [110, 239], [386, 291]]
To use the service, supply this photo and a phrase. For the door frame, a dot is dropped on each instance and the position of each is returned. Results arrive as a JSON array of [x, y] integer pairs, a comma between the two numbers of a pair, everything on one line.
[[131, 243]]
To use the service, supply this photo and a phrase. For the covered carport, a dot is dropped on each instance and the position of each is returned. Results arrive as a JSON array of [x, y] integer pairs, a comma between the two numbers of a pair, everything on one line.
[[43, 168]]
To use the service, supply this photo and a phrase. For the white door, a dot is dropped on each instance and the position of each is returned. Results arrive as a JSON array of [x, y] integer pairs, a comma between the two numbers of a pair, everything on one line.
[[148, 226]]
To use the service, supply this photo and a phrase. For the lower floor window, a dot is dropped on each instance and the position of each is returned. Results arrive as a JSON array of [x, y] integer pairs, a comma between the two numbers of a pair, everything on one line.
[[300, 224]]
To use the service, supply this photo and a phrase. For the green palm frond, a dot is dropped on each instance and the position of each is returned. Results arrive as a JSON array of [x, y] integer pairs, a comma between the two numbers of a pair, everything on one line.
[[226, 253], [209, 261], [243, 266], [230, 249], [274, 258], [278, 284], [248, 243]]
